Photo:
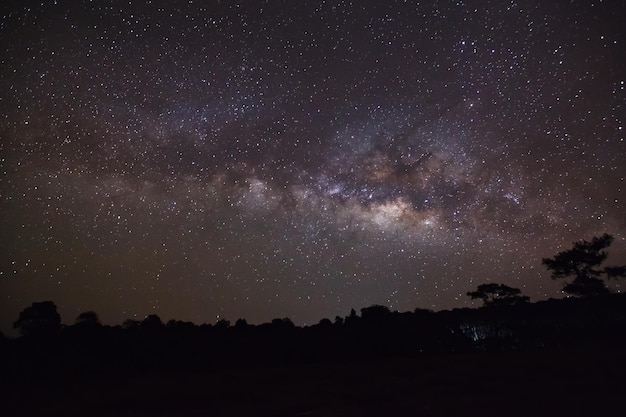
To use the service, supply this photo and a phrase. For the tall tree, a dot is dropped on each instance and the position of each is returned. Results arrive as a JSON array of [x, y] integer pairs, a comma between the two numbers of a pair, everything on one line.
[[583, 262], [494, 294], [39, 319]]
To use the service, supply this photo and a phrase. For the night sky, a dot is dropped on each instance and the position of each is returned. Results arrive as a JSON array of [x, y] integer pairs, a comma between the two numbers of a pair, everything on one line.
[[202, 160]]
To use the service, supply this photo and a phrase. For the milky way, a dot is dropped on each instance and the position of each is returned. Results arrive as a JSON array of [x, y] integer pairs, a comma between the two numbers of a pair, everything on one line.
[[262, 159]]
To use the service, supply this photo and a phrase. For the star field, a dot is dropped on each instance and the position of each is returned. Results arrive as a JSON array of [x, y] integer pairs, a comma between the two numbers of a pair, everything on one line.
[[262, 159]]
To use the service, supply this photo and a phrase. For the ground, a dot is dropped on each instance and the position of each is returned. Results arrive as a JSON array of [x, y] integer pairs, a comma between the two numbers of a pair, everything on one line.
[[567, 381]]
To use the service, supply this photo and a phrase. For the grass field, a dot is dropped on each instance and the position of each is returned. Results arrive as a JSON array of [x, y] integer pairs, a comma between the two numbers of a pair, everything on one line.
[[582, 381]]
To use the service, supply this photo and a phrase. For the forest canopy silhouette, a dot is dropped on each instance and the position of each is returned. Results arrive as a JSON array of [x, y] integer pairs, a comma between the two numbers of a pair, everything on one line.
[[583, 262], [507, 320]]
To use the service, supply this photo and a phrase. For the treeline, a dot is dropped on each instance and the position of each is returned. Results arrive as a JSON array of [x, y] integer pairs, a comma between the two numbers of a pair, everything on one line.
[[507, 321], [151, 345]]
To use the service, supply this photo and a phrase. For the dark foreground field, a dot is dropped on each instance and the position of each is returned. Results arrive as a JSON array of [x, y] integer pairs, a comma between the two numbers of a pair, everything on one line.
[[580, 381]]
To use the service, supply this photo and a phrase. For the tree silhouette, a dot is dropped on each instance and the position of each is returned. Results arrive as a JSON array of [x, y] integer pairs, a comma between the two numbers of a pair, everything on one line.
[[375, 313], [222, 324], [284, 323], [352, 318], [39, 319], [88, 318], [583, 263], [131, 324], [241, 323], [494, 294], [152, 321], [325, 323]]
